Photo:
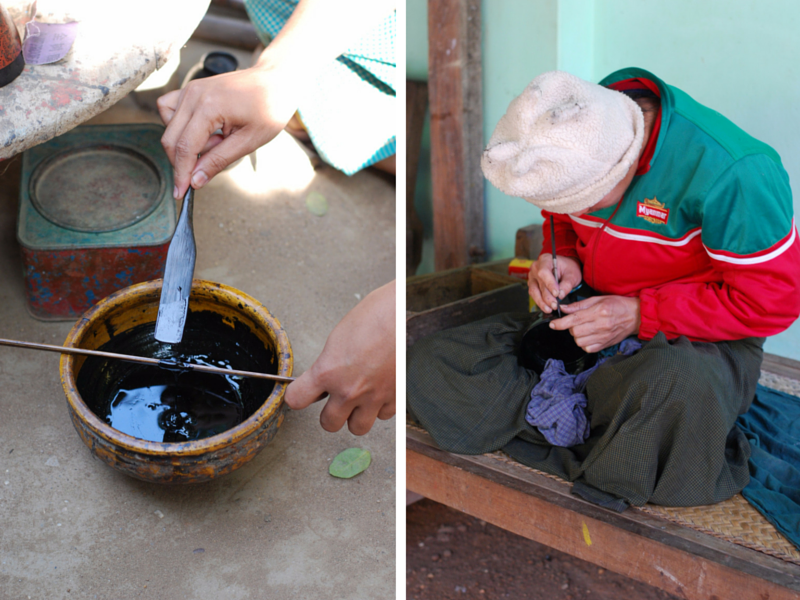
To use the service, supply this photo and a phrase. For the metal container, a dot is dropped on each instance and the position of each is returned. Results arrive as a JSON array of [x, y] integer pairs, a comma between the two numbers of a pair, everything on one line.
[[96, 214], [540, 343], [213, 63], [184, 462]]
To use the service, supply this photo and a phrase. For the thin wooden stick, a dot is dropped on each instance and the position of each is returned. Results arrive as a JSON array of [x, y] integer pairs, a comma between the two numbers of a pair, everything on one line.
[[168, 364]]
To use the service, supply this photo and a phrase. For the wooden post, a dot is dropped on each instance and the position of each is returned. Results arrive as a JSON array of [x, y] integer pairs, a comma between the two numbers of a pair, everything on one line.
[[529, 242], [456, 107], [416, 107]]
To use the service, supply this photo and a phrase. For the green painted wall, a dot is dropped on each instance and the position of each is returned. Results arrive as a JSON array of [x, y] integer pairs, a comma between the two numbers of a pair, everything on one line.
[[737, 56], [417, 39], [417, 68], [519, 38]]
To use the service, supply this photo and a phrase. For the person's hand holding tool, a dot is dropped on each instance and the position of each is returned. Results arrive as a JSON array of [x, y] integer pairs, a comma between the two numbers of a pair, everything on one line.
[[252, 106], [542, 285], [601, 321], [356, 368]]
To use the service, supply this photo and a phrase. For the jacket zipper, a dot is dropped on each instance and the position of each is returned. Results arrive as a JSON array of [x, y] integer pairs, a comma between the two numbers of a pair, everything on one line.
[[597, 241]]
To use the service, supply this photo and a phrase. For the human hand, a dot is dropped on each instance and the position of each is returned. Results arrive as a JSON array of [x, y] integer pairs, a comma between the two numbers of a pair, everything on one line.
[[601, 321], [250, 107], [542, 284], [356, 368]]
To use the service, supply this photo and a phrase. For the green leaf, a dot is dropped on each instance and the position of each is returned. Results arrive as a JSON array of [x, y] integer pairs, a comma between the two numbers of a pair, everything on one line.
[[317, 204], [350, 463]]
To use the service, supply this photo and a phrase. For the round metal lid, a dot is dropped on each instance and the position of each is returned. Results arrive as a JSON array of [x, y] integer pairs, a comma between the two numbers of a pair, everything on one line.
[[96, 188]]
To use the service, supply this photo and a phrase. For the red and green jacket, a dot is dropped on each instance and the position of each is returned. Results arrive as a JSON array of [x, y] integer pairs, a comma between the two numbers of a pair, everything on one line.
[[705, 234]]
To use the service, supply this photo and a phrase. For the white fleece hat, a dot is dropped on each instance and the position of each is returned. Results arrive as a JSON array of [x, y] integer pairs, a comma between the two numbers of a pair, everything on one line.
[[564, 143]]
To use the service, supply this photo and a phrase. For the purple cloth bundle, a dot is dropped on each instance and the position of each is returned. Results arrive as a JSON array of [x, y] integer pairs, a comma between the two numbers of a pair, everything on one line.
[[558, 402]]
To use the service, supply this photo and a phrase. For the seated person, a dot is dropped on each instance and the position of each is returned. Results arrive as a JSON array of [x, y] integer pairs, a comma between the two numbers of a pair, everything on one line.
[[684, 225]]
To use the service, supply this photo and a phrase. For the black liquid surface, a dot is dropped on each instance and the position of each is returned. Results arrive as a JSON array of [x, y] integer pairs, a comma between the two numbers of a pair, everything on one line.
[[163, 405]]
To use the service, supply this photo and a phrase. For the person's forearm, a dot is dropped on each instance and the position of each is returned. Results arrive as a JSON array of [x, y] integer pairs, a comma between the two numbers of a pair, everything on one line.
[[320, 30], [749, 303]]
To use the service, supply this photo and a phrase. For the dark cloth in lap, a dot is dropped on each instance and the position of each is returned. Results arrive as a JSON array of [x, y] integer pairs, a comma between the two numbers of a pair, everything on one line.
[[662, 420]]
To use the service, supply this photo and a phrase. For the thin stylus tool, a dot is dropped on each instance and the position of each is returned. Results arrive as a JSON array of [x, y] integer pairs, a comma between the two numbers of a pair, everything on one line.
[[555, 263], [170, 364]]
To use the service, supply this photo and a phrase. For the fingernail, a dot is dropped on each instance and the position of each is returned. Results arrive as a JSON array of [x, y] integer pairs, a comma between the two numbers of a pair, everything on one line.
[[199, 179], [175, 192], [552, 326]]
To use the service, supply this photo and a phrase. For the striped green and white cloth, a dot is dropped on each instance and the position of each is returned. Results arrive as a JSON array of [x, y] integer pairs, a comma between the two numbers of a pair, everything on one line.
[[350, 113]]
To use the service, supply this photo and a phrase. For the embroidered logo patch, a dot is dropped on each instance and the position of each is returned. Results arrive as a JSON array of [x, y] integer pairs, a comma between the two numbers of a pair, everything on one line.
[[652, 211]]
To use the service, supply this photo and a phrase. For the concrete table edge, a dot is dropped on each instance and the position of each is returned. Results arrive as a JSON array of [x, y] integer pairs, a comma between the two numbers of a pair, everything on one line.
[[46, 101]]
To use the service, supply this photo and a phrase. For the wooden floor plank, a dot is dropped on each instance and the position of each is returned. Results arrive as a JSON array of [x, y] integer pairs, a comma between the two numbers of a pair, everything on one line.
[[785, 367]]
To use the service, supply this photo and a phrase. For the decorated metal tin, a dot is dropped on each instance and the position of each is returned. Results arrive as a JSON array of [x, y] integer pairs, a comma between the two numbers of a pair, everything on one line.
[[96, 214]]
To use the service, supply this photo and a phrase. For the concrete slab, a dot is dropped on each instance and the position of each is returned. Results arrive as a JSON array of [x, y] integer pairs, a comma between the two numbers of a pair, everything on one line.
[[112, 54], [280, 527]]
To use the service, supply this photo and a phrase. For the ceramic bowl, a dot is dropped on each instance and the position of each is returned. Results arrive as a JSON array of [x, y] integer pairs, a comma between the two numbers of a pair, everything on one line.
[[189, 461]]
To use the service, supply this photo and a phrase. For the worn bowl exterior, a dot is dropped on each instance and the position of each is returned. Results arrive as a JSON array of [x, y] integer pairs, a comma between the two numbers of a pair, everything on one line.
[[183, 462]]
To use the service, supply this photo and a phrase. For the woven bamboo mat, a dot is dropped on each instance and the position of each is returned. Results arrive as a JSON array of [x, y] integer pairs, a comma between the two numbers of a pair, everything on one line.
[[734, 520]]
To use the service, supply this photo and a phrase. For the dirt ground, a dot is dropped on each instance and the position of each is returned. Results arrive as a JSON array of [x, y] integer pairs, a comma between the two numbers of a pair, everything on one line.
[[453, 556]]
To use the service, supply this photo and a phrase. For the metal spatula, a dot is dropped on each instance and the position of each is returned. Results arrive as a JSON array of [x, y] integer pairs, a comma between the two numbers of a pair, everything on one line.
[[178, 273]]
